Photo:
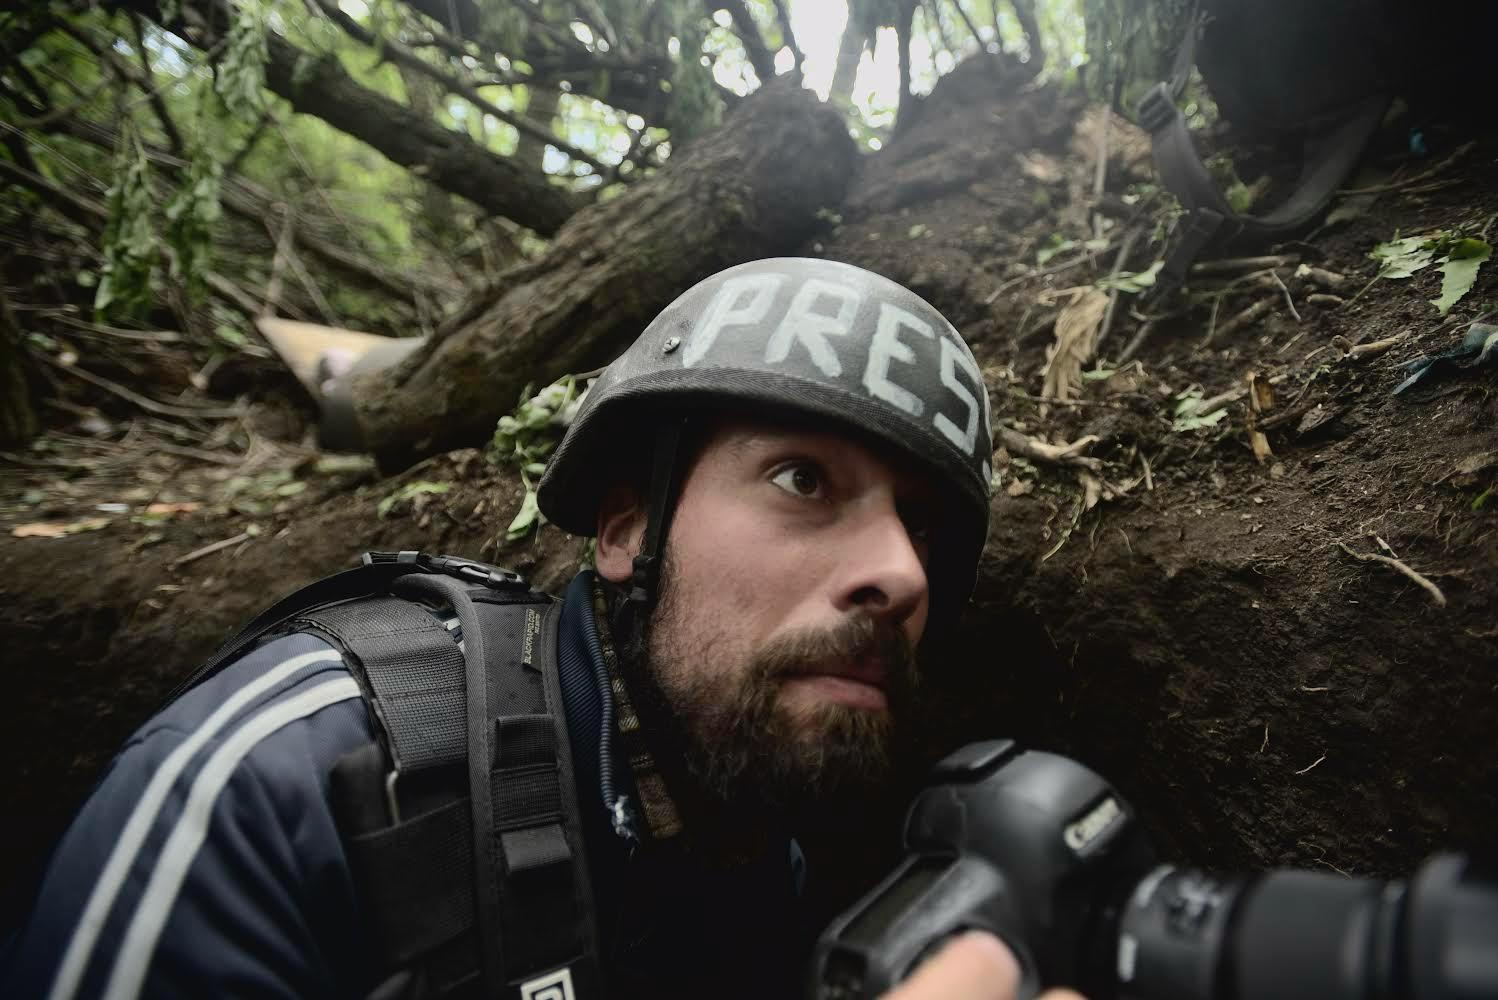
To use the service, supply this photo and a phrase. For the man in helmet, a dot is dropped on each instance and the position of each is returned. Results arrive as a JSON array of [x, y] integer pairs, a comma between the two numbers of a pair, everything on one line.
[[787, 478]]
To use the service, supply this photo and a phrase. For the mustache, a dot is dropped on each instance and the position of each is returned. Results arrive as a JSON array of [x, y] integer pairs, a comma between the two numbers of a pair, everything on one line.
[[857, 638]]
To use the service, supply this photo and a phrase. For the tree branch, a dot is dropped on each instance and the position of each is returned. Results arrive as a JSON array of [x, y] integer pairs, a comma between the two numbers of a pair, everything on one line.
[[977, 35], [173, 137], [754, 43], [787, 34], [84, 211], [398, 53], [320, 87]]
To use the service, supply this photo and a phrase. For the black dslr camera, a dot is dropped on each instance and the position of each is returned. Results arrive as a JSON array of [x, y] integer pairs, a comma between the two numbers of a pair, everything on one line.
[[1042, 852]]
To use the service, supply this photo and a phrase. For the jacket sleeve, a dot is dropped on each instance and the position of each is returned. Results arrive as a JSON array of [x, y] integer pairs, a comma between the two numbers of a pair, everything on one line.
[[207, 862]]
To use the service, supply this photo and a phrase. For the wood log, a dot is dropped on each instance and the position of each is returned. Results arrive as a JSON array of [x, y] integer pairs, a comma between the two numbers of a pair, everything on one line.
[[750, 189]]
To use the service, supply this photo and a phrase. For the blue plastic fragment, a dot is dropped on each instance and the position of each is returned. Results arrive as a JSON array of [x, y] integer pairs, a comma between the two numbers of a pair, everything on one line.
[[1478, 349]]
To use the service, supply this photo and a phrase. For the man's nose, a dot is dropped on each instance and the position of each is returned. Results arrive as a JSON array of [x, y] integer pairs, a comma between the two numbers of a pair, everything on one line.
[[884, 576]]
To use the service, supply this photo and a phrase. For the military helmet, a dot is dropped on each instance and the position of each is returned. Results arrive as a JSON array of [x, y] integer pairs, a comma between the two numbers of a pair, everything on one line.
[[803, 336]]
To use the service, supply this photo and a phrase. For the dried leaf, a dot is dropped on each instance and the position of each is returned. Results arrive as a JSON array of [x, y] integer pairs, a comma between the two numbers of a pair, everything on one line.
[[1076, 338], [55, 529]]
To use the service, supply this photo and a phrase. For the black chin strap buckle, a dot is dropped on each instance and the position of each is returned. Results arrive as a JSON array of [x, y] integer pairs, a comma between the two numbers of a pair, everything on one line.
[[664, 471]]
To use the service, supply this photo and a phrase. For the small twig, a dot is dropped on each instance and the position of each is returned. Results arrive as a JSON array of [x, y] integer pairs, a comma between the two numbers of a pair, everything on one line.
[[1314, 690], [1043, 272], [208, 550], [1361, 352], [1308, 767], [1149, 474], [1037, 450], [1244, 319], [1401, 566], [1237, 265], [1137, 340], [1288, 300], [1461, 151], [145, 403], [1265, 745], [1118, 263]]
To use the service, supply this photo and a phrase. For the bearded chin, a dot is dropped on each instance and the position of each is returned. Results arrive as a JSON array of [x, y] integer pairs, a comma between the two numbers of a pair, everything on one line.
[[743, 746], [758, 752]]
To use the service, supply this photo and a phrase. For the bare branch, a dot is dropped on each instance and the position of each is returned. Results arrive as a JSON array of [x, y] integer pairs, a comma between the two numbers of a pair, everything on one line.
[[783, 15], [173, 137], [754, 43], [398, 53]]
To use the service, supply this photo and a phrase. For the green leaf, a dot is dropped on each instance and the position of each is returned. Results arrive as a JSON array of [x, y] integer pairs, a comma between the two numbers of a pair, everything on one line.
[[408, 492], [1459, 271], [1056, 244], [527, 518], [1181, 424], [241, 72], [124, 287], [1132, 282], [1401, 258]]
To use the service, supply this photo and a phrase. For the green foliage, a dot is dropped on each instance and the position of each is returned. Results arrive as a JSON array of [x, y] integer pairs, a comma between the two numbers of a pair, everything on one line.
[[1459, 271], [1130, 44], [1131, 281], [1188, 415], [410, 493], [526, 437], [241, 72], [1401, 258], [191, 215], [124, 288], [1459, 258], [1057, 244]]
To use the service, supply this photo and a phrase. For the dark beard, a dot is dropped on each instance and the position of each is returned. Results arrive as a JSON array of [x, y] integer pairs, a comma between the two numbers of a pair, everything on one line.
[[742, 748]]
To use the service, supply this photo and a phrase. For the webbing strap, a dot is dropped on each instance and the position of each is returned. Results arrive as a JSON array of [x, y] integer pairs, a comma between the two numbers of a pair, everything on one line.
[[361, 581], [413, 672], [486, 870]]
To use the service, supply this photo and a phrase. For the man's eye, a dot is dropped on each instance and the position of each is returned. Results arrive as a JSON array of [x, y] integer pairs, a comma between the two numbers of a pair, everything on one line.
[[802, 479]]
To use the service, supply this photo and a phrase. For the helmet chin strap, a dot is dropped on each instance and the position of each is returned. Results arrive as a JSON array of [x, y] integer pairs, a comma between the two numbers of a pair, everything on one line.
[[665, 474]]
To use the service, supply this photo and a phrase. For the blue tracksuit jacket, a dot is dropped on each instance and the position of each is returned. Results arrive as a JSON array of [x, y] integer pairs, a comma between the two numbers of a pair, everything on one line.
[[207, 862]]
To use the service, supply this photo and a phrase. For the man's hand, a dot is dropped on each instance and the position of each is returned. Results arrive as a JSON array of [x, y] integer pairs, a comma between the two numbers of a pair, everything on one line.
[[975, 966]]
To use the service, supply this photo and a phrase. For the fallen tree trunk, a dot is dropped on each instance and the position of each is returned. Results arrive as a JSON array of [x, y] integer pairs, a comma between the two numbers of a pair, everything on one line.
[[751, 189]]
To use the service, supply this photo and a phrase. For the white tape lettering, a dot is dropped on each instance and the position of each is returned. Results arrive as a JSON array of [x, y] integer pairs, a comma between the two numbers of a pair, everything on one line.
[[726, 310], [886, 347], [803, 323], [951, 356]]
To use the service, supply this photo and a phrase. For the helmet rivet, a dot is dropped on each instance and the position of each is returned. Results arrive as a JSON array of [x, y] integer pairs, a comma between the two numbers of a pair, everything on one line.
[[671, 344]]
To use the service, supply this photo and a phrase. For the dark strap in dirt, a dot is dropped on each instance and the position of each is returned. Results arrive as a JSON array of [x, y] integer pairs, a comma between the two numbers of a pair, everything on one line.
[[1210, 219]]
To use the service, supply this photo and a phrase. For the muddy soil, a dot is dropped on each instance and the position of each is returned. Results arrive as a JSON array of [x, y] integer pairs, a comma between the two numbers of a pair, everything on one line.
[[1185, 617]]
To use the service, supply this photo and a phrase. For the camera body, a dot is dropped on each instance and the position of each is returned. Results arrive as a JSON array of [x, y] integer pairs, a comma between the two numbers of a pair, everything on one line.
[[1045, 854]]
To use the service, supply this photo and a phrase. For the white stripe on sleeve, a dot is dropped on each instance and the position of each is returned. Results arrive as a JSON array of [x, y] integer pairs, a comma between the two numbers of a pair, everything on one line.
[[143, 818], [181, 848]]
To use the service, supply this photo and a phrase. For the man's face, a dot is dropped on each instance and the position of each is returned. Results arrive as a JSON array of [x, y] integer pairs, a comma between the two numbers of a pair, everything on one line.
[[793, 595]]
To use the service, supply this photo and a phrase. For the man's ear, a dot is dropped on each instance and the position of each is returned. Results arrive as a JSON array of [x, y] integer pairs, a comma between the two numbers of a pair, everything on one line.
[[621, 531]]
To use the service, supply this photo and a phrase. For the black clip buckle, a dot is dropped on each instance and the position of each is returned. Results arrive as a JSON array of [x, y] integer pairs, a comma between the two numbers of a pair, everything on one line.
[[477, 572], [464, 569]]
